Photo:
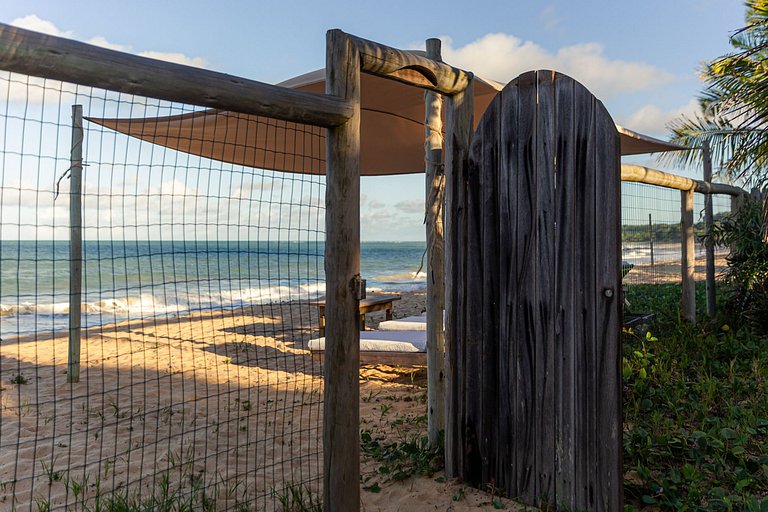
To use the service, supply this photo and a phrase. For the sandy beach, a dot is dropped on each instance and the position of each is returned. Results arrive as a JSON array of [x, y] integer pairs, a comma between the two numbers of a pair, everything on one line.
[[226, 401]]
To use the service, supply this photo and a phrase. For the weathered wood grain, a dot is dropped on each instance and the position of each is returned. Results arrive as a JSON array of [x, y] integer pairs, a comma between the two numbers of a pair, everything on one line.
[[688, 263], [56, 58], [341, 418], [75, 244], [609, 475], [458, 116], [435, 197], [410, 67], [539, 266]]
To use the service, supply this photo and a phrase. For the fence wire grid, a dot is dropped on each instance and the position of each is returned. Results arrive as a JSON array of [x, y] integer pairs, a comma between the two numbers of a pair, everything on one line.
[[195, 386], [652, 238]]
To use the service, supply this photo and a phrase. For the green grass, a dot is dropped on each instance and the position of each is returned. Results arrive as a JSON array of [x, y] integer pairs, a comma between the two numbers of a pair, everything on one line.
[[696, 411]]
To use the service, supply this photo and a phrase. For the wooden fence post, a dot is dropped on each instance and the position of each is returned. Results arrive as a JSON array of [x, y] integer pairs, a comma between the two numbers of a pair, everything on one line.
[[688, 263], [435, 186], [458, 120], [341, 366], [75, 244], [709, 224]]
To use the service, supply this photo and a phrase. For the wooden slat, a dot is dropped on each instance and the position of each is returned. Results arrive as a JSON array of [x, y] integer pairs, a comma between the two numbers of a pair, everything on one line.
[[586, 434], [609, 476], [473, 334], [526, 436], [566, 272], [458, 115], [508, 279], [489, 257], [383, 357], [56, 58], [341, 418], [544, 301]]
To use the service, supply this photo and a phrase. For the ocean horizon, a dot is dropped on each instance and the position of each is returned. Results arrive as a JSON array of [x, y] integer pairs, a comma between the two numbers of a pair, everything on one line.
[[132, 279]]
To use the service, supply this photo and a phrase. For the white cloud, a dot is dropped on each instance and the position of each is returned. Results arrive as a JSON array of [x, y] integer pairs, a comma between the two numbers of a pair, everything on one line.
[[653, 120], [503, 57], [33, 22], [411, 206], [550, 15]]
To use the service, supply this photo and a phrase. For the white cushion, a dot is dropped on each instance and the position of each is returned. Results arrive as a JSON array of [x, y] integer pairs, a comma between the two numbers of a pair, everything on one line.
[[384, 341], [410, 323]]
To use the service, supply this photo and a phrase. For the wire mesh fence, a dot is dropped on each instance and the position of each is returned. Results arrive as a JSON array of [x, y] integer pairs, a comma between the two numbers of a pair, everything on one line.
[[651, 237], [195, 386]]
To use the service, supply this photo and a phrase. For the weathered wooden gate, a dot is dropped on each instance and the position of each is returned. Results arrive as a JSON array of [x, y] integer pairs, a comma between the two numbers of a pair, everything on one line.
[[535, 304]]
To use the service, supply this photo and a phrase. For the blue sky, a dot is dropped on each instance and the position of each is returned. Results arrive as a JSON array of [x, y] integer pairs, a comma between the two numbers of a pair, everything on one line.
[[640, 58]]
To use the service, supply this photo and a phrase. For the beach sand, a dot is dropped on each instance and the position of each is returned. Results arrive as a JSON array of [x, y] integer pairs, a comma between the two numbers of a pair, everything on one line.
[[227, 401]]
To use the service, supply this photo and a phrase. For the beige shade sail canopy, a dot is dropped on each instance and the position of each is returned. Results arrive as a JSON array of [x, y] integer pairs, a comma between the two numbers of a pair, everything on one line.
[[391, 140]]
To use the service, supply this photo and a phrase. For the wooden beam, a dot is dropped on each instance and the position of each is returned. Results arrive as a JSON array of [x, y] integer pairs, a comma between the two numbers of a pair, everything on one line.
[[435, 187], [640, 174], [709, 222], [341, 420], [458, 117], [56, 58], [75, 244], [688, 263], [410, 68]]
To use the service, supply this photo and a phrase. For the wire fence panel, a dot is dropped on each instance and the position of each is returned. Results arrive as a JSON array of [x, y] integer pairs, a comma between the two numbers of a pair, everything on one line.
[[651, 240], [195, 386]]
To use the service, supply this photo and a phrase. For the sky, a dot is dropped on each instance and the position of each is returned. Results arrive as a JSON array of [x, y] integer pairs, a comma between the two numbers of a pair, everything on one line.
[[640, 58]]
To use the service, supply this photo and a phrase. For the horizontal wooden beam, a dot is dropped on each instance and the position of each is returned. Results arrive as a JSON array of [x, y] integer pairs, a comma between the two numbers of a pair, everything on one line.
[[409, 67], [35, 54], [640, 174]]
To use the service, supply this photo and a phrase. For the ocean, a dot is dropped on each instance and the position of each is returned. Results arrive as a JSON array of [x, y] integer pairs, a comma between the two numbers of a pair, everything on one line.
[[135, 280]]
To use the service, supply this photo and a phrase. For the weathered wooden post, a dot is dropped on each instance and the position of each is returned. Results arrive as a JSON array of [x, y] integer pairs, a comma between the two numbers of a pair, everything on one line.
[[75, 244], [341, 366], [688, 262], [435, 186], [709, 222], [458, 120]]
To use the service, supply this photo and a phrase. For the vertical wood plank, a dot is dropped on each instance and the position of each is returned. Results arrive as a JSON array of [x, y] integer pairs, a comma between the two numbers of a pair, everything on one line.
[[544, 304], [609, 477], [458, 115], [709, 245], [566, 335], [75, 244], [435, 186], [584, 306], [526, 437], [508, 289], [473, 333], [341, 419], [489, 257], [688, 263]]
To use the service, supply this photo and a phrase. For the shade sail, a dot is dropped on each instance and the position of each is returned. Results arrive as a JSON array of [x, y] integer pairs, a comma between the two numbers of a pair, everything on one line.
[[391, 140]]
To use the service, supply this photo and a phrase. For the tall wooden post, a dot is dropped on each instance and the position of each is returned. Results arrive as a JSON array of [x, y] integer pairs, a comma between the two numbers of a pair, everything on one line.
[[709, 223], [688, 263], [75, 244], [650, 236], [435, 187], [458, 120], [341, 421]]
